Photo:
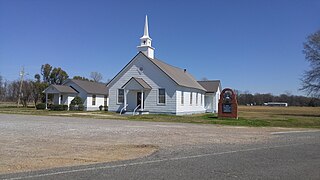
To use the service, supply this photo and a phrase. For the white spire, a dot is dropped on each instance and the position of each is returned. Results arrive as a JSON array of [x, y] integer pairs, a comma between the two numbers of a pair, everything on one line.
[[146, 31], [145, 41]]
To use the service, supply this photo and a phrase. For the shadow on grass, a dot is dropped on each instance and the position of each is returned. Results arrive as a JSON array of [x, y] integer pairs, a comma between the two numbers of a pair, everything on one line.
[[212, 117], [303, 115]]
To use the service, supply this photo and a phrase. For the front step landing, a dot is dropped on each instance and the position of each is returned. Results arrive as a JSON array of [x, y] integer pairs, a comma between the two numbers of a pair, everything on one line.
[[138, 112]]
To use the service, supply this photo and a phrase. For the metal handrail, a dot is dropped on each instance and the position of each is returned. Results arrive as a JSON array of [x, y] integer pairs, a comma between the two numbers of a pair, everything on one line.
[[135, 109], [124, 107]]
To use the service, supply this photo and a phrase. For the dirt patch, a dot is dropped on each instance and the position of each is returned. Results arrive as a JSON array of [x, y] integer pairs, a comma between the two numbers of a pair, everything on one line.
[[51, 156]]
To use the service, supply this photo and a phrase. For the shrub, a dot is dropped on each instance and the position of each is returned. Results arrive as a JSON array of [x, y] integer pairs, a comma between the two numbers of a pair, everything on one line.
[[72, 107], [65, 107], [76, 101], [76, 104], [76, 107], [80, 107], [41, 106], [59, 107], [100, 107]]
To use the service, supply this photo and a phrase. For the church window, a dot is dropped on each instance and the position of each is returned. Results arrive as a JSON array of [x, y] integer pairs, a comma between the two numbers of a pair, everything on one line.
[[120, 96], [182, 97], [162, 96], [197, 99]]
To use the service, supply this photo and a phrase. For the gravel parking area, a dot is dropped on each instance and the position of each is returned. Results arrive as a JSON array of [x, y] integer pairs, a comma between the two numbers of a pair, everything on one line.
[[41, 142]]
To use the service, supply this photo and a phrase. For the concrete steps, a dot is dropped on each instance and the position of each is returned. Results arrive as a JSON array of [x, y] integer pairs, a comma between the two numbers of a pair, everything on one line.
[[136, 113]]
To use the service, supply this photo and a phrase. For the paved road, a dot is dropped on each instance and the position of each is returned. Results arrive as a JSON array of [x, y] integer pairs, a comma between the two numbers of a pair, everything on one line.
[[287, 155]]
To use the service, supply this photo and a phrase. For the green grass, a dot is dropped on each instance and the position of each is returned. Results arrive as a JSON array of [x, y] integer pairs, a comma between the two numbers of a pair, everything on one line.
[[253, 116]]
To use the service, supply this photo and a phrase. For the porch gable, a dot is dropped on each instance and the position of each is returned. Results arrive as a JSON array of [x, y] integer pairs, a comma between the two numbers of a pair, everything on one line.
[[136, 84]]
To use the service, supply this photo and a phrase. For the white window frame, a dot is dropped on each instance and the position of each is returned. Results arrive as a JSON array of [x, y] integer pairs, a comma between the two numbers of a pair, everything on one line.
[[105, 100], [182, 98], [118, 96], [94, 97], [158, 96], [61, 98], [197, 98]]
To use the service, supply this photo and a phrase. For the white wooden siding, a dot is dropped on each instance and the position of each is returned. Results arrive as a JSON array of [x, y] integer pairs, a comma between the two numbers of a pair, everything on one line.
[[212, 102], [87, 98], [99, 102], [188, 108], [154, 77], [216, 101]]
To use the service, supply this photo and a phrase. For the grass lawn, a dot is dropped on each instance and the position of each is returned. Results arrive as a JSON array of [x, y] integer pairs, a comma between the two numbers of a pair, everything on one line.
[[255, 116]]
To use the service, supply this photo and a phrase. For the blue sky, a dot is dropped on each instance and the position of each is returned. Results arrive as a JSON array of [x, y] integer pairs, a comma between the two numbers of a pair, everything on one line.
[[253, 45]]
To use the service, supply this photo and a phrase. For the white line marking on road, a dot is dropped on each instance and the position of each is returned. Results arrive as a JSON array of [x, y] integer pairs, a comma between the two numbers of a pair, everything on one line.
[[289, 132], [135, 126], [148, 162], [167, 126]]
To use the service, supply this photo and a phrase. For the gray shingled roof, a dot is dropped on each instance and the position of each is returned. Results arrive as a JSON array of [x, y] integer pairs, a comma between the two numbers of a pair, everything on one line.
[[210, 86], [64, 89], [142, 83], [180, 76], [91, 87]]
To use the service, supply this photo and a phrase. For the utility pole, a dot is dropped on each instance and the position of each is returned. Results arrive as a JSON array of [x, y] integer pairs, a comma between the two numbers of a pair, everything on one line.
[[21, 81]]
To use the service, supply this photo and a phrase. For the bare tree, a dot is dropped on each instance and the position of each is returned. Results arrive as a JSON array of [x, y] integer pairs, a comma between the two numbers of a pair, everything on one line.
[[26, 96], [96, 76], [12, 91], [80, 78], [311, 78], [2, 89]]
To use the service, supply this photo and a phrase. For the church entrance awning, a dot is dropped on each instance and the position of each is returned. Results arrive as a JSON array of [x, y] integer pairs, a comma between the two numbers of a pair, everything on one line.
[[134, 93], [136, 84]]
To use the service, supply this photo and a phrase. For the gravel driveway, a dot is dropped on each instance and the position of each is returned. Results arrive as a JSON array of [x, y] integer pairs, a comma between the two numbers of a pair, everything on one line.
[[40, 142]]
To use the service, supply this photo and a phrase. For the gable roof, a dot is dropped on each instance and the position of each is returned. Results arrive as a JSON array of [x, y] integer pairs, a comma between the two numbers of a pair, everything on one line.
[[211, 86], [140, 81], [62, 89], [143, 83], [90, 87], [180, 76]]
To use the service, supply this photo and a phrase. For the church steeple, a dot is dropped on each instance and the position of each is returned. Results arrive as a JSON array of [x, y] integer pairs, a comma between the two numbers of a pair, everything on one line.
[[145, 42], [146, 28]]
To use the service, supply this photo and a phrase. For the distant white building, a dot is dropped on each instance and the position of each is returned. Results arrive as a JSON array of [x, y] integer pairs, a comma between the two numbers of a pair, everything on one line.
[[93, 94], [149, 85], [276, 104]]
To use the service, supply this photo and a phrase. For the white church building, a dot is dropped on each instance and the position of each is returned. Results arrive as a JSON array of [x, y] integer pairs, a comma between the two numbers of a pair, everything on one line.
[[149, 85]]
